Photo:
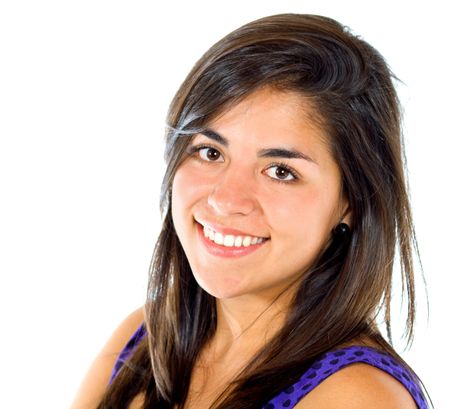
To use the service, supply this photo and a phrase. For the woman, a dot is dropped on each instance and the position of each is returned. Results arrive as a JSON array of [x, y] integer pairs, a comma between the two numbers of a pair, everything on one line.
[[283, 202]]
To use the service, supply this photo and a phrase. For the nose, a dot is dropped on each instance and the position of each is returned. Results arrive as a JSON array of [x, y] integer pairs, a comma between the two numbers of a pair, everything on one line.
[[232, 194]]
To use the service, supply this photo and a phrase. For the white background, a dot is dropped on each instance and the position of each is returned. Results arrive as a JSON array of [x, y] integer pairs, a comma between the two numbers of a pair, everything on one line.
[[84, 89]]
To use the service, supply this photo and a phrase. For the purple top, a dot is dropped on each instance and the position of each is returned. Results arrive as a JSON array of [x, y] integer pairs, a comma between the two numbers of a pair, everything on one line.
[[325, 366]]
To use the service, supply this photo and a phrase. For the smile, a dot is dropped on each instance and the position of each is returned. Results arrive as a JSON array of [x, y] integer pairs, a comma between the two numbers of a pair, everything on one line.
[[228, 246], [230, 240]]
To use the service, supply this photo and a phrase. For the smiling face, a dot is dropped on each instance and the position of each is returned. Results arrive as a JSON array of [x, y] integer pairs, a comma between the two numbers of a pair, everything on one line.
[[266, 172]]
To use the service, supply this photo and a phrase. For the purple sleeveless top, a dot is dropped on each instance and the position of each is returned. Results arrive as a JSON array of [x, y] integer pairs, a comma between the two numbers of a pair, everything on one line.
[[325, 366]]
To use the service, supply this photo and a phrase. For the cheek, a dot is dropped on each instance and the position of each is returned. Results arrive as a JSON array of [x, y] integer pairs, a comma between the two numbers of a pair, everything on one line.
[[186, 193], [181, 191], [184, 187], [291, 209], [306, 215]]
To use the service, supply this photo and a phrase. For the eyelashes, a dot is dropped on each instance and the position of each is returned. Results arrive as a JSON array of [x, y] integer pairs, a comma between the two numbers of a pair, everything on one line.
[[199, 148], [286, 169], [197, 152]]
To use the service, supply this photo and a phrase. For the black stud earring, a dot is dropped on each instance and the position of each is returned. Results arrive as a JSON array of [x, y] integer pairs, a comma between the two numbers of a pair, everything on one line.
[[342, 230]]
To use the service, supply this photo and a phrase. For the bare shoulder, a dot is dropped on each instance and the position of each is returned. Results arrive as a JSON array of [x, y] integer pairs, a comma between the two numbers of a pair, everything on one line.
[[358, 386], [96, 380]]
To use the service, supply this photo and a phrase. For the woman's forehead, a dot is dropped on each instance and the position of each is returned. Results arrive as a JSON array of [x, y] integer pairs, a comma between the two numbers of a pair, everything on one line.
[[271, 116]]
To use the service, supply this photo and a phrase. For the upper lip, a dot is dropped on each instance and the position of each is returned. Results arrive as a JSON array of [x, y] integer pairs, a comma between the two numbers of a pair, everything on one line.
[[227, 230]]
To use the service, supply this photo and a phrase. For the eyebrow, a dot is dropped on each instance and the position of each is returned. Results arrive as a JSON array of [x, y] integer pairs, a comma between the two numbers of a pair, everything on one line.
[[263, 153]]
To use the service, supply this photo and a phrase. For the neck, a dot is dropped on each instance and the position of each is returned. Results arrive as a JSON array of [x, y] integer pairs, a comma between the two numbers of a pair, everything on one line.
[[249, 322]]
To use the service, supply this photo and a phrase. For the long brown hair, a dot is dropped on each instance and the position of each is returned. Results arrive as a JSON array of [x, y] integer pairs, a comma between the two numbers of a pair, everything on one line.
[[340, 297]]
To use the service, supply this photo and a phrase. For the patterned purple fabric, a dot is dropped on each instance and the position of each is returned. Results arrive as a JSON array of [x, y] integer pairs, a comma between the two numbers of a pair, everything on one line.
[[333, 361], [127, 350], [324, 367]]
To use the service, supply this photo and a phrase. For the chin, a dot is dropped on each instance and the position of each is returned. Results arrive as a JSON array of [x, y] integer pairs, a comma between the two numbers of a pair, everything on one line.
[[220, 288]]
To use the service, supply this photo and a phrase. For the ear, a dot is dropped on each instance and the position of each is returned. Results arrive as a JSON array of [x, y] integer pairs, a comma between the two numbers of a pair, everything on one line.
[[346, 213]]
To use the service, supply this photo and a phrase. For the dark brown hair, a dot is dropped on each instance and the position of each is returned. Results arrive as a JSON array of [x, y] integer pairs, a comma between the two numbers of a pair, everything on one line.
[[351, 90]]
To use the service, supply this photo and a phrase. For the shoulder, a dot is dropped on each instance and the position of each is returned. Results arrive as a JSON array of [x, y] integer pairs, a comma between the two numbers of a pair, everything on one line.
[[358, 386], [96, 379]]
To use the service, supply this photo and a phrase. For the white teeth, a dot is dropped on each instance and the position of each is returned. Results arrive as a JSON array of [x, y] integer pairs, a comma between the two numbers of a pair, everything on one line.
[[229, 240], [206, 231], [218, 238]]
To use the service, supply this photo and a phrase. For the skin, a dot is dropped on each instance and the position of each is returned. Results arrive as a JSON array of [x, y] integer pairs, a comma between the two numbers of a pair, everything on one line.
[[233, 187], [239, 191], [96, 379]]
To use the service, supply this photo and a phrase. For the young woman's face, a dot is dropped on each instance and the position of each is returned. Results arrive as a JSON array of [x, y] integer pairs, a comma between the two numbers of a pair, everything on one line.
[[261, 173]]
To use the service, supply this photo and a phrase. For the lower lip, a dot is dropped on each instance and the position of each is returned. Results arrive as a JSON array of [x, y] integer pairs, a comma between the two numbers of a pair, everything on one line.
[[223, 251]]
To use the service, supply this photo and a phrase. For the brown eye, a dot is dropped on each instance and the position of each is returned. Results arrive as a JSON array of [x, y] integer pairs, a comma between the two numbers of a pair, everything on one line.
[[209, 154], [281, 173]]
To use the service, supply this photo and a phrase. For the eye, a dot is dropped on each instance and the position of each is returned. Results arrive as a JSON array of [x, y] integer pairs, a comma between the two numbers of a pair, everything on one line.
[[281, 172], [206, 153]]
